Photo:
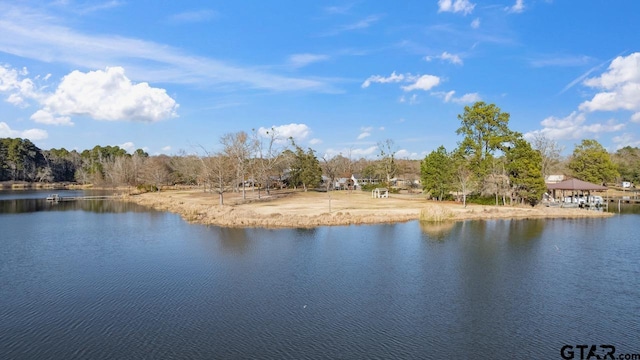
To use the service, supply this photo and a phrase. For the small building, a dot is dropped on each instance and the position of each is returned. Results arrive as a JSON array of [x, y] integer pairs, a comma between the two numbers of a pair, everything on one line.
[[554, 179], [575, 192], [380, 193]]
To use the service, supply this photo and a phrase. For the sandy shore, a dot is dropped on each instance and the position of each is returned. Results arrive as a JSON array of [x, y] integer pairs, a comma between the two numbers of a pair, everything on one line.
[[300, 209]]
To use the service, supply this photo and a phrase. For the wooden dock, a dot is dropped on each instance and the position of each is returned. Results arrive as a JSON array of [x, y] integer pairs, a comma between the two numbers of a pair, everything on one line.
[[56, 198], [624, 200]]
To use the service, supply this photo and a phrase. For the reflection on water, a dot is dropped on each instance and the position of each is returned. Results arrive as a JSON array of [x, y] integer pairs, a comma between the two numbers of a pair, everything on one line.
[[624, 208], [114, 282], [97, 206], [437, 230]]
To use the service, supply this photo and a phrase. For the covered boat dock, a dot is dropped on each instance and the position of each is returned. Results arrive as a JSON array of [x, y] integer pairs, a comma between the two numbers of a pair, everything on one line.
[[575, 193]]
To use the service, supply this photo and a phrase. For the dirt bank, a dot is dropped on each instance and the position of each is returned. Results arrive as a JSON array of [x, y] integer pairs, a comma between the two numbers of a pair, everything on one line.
[[300, 209]]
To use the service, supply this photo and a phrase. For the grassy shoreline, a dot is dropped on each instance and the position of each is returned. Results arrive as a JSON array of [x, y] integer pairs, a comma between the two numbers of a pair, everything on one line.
[[294, 209]]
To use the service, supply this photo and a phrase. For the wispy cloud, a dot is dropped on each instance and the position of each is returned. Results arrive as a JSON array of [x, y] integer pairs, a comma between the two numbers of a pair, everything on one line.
[[40, 36], [358, 25], [340, 10], [91, 8], [581, 78], [365, 132], [561, 60], [353, 153], [464, 99], [302, 60], [194, 16], [411, 100], [393, 78]]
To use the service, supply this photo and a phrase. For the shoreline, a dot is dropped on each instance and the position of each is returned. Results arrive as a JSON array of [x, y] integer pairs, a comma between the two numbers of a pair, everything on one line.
[[296, 209]]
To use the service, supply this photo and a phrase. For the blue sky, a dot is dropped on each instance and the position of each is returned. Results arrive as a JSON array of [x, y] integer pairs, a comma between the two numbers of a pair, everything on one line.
[[338, 76]]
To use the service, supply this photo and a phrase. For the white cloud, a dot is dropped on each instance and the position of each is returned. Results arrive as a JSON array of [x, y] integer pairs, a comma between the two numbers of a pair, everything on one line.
[[102, 95], [302, 60], [467, 98], [518, 7], [393, 78], [365, 132], [635, 117], [620, 86], [298, 132], [573, 127], [129, 146], [31, 134], [424, 82], [475, 24], [47, 118], [454, 59], [625, 139], [18, 87], [106, 95], [455, 6], [315, 141]]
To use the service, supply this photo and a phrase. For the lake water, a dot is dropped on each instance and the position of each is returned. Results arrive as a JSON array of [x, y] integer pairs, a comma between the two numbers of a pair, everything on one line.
[[110, 280]]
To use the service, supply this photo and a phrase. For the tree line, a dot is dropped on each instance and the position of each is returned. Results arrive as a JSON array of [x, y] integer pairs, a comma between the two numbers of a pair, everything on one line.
[[260, 161], [490, 160], [493, 161]]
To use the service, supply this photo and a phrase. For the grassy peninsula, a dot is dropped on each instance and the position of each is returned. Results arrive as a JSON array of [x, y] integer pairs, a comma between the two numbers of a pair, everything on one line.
[[299, 209]]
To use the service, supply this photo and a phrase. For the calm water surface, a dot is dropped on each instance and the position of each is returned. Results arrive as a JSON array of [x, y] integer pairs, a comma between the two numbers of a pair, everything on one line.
[[108, 280]]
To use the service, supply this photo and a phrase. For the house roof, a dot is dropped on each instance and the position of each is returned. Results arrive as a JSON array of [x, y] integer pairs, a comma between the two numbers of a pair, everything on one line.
[[575, 184]]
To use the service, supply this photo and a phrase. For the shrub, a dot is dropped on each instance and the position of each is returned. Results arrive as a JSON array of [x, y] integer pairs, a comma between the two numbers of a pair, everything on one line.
[[481, 200], [143, 188]]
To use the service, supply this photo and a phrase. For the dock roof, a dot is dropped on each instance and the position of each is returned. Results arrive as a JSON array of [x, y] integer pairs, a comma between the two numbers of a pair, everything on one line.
[[575, 184]]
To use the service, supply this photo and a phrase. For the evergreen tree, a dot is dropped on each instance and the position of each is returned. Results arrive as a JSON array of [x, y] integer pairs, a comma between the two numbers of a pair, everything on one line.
[[525, 172], [305, 169], [436, 173], [485, 130]]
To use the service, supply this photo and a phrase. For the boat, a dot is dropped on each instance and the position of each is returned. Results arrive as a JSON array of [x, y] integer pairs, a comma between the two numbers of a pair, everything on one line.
[[54, 198]]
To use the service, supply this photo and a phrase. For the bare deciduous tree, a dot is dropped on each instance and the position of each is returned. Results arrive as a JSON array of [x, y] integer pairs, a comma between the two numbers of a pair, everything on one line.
[[550, 152], [156, 171], [268, 154], [387, 159], [238, 148]]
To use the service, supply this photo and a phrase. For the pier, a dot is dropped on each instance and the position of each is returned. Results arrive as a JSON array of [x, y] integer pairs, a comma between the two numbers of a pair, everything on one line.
[[57, 198]]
